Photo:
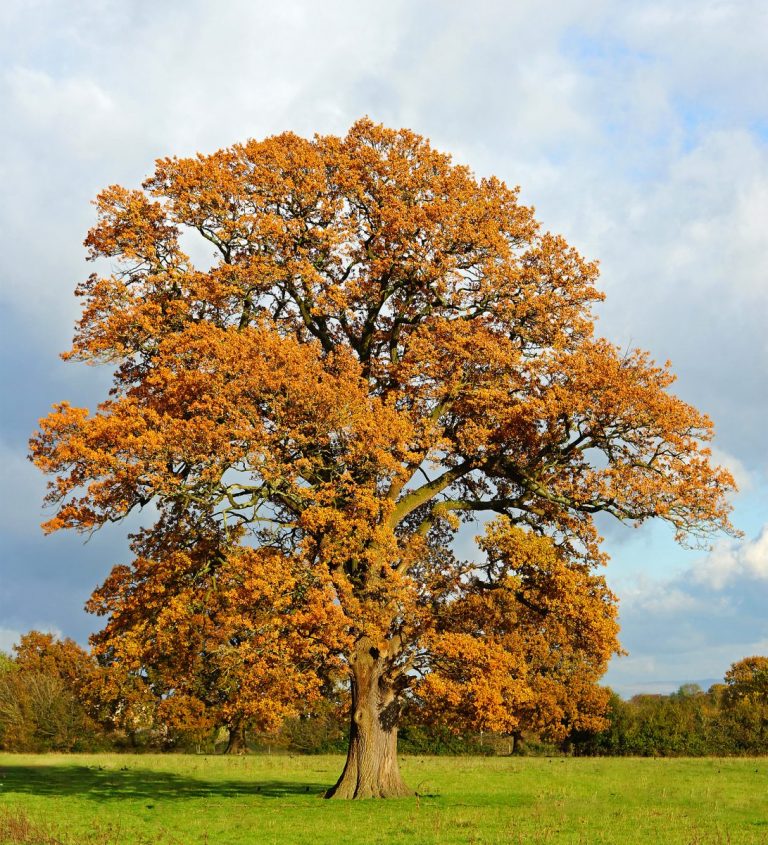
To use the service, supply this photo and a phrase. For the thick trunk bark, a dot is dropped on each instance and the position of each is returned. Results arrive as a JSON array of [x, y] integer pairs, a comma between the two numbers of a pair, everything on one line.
[[371, 770], [236, 743]]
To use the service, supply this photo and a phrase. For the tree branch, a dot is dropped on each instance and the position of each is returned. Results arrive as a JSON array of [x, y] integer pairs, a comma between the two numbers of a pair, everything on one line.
[[423, 494]]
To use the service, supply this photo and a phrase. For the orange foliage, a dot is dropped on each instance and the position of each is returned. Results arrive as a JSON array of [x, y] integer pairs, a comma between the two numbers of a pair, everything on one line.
[[43, 695], [383, 346], [747, 680], [39, 651], [522, 643], [200, 635]]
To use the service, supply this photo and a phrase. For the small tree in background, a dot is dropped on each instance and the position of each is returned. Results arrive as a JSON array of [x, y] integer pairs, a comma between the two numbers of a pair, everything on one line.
[[745, 704], [41, 696]]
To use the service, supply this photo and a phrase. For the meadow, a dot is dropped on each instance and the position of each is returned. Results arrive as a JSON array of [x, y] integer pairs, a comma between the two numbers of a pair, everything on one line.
[[110, 799]]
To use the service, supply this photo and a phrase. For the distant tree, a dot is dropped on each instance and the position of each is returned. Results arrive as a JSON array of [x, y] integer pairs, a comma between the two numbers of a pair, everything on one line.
[[41, 696], [39, 651], [745, 703], [383, 346], [688, 722], [689, 691], [747, 679]]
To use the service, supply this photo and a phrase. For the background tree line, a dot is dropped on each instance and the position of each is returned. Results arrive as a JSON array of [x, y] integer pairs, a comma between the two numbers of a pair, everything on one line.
[[55, 696], [730, 718]]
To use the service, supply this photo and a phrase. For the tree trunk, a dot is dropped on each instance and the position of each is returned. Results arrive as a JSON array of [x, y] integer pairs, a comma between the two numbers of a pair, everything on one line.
[[371, 770], [236, 743]]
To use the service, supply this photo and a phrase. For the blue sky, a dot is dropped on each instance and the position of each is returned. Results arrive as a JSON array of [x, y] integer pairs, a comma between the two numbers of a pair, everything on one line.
[[638, 130]]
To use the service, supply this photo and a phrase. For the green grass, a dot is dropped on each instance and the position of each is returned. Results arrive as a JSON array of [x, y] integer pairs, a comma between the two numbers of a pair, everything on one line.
[[108, 799]]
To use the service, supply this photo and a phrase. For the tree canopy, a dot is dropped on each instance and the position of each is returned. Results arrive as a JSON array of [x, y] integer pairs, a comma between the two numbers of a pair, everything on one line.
[[382, 347], [42, 695]]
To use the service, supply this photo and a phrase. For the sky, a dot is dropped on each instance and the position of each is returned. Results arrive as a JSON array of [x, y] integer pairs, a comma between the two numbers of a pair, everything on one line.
[[638, 130]]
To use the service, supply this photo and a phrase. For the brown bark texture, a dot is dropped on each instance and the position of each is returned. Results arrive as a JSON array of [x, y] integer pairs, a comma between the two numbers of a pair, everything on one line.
[[371, 770], [236, 744]]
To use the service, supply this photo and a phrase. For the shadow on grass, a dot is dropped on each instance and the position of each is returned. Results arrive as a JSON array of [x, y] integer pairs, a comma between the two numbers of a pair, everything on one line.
[[105, 784]]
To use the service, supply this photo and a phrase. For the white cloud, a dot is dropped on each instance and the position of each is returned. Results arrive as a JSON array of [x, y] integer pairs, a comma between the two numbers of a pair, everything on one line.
[[71, 115], [701, 222], [709, 50], [47, 100], [693, 624], [754, 556], [745, 478], [663, 599], [729, 561]]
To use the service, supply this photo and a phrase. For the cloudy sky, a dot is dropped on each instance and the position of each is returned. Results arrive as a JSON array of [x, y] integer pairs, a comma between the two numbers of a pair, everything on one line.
[[639, 130]]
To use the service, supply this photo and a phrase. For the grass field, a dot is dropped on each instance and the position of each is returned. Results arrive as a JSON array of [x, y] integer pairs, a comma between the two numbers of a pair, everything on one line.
[[112, 799]]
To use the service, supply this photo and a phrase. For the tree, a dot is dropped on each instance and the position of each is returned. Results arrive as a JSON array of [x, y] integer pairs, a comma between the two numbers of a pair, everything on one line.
[[197, 638], [40, 651], [41, 696], [383, 347], [745, 703]]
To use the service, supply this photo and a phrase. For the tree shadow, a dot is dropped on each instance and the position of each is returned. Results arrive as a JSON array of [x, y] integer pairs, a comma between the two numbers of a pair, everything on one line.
[[116, 784]]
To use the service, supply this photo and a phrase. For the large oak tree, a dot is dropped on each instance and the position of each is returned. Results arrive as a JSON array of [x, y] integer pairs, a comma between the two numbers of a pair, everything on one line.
[[383, 346]]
